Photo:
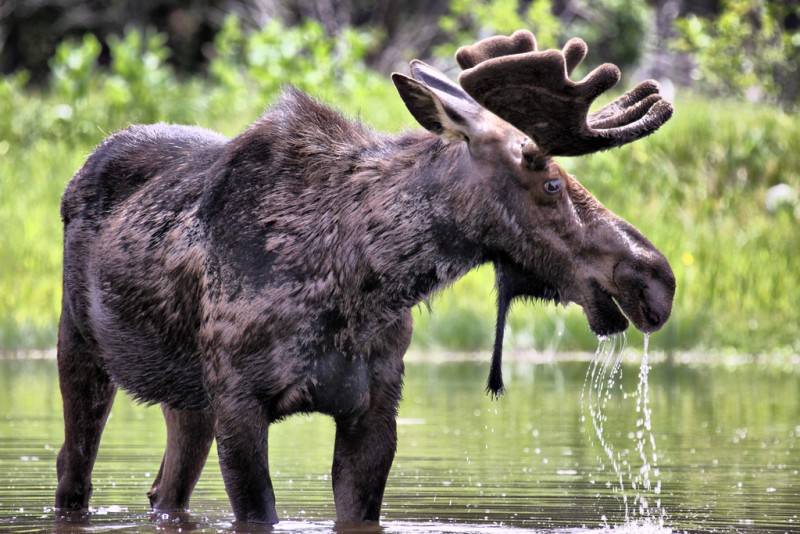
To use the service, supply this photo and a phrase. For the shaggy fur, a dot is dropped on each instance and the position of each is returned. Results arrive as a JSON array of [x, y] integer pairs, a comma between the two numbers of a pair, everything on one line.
[[236, 282]]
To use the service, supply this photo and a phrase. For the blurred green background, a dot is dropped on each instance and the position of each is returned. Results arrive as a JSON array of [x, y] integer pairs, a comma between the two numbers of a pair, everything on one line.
[[716, 189]]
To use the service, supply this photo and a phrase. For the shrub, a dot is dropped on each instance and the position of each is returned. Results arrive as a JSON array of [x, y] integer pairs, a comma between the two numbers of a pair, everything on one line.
[[749, 50]]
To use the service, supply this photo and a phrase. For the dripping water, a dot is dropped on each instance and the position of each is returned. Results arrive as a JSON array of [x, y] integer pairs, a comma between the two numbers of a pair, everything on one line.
[[646, 448], [640, 489], [598, 384]]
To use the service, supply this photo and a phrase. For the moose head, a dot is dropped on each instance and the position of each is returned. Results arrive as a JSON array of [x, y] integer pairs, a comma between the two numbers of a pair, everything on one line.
[[514, 108]]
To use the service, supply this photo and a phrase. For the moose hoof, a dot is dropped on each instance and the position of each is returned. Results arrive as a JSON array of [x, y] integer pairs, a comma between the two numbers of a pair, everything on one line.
[[73, 496]]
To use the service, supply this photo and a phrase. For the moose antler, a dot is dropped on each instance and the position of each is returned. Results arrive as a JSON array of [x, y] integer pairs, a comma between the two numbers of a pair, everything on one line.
[[531, 89]]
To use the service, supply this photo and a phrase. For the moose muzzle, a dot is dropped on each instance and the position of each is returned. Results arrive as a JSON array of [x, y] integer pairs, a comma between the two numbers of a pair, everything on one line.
[[646, 289]]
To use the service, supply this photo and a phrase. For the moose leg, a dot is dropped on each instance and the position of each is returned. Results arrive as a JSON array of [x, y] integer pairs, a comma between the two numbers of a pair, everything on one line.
[[189, 437], [87, 395], [241, 432], [364, 452]]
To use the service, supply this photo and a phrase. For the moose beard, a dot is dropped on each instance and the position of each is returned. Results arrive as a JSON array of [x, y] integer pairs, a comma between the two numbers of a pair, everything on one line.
[[511, 283]]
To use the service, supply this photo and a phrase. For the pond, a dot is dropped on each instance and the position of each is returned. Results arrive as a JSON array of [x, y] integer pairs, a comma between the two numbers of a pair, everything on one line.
[[728, 443]]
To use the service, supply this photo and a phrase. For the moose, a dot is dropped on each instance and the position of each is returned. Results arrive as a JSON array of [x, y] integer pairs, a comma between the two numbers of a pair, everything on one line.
[[238, 281]]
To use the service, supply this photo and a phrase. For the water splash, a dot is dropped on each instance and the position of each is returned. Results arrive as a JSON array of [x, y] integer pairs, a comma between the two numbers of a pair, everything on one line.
[[640, 489], [603, 372], [646, 447]]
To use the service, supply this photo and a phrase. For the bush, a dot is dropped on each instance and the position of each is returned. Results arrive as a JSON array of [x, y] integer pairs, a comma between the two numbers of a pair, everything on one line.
[[615, 30], [468, 18], [749, 50]]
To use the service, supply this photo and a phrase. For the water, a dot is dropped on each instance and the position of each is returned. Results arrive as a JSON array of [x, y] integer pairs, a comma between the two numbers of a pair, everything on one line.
[[631, 481], [646, 447], [601, 377], [728, 453]]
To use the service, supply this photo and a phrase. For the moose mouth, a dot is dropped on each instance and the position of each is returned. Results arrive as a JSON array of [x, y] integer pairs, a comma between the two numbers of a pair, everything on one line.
[[610, 314], [604, 315], [634, 297]]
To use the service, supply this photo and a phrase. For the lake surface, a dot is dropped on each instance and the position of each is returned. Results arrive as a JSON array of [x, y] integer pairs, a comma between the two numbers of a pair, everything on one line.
[[728, 443]]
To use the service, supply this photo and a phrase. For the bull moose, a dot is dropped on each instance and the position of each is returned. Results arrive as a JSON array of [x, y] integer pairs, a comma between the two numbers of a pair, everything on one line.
[[239, 281]]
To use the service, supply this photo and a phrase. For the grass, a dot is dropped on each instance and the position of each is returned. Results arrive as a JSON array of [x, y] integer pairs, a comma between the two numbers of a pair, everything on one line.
[[696, 189]]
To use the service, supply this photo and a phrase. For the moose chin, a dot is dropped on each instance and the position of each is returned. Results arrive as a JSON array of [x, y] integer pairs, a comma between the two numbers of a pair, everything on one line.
[[238, 281]]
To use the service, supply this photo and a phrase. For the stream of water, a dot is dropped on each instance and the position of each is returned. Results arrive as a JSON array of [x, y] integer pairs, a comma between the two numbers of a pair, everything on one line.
[[636, 477]]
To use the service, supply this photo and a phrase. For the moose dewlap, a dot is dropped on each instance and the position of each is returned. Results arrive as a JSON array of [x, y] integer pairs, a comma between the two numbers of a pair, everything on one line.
[[239, 281]]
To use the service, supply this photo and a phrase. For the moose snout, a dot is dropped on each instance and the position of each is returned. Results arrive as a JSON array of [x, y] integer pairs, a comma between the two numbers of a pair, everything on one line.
[[645, 290]]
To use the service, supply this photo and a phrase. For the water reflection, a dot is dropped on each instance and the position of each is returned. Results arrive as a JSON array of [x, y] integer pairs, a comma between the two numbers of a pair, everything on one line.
[[727, 441]]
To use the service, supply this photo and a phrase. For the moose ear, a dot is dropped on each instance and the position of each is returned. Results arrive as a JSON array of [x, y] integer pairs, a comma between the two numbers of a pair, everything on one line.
[[436, 110]]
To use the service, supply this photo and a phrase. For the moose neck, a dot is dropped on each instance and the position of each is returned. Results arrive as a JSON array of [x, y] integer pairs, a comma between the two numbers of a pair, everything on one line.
[[427, 237], [377, 222]]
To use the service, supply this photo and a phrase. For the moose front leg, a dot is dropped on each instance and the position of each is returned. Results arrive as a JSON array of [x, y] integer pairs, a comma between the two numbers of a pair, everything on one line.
[[241, 433], [362, 459], [365, 448]]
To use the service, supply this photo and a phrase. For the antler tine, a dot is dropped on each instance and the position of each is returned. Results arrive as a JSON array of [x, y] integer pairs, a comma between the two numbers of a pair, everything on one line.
[[640, 125], [574, 52], [520, 41], [642, 92], [531, 89]]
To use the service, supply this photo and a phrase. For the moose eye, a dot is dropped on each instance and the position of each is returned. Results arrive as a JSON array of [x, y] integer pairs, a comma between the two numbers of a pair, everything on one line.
[[552, 186]]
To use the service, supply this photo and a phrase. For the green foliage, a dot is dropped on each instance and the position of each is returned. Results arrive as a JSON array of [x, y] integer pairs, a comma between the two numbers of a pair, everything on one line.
[[468, 18], [12, 101], [747, 50], [73, 65], [615, 30], [252, 67], [83, 102], [139, 76], [696, 188]]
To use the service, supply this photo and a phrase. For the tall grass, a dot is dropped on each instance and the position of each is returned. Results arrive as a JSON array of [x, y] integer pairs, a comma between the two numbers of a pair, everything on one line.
[[696, 188]]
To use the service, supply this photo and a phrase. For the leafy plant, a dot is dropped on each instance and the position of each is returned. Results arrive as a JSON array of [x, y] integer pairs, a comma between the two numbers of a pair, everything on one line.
[[615, 30], [748, 51], [73, 67], [468, 19]]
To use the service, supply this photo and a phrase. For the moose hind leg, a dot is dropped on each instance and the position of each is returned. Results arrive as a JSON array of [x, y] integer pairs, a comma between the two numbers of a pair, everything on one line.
[[189, 437], [87, 395], [241, 432]]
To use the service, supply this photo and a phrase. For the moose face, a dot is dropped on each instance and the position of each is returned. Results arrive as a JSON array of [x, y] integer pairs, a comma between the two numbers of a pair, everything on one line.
[[561, 244], [581, 252], [515, 107]]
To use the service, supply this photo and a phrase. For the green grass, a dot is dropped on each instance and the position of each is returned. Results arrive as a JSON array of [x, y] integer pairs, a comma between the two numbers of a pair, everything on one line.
[[696, 189]]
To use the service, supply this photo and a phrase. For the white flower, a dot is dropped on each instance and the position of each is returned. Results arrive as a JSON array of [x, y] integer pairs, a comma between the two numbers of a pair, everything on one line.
[[780, 195]]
